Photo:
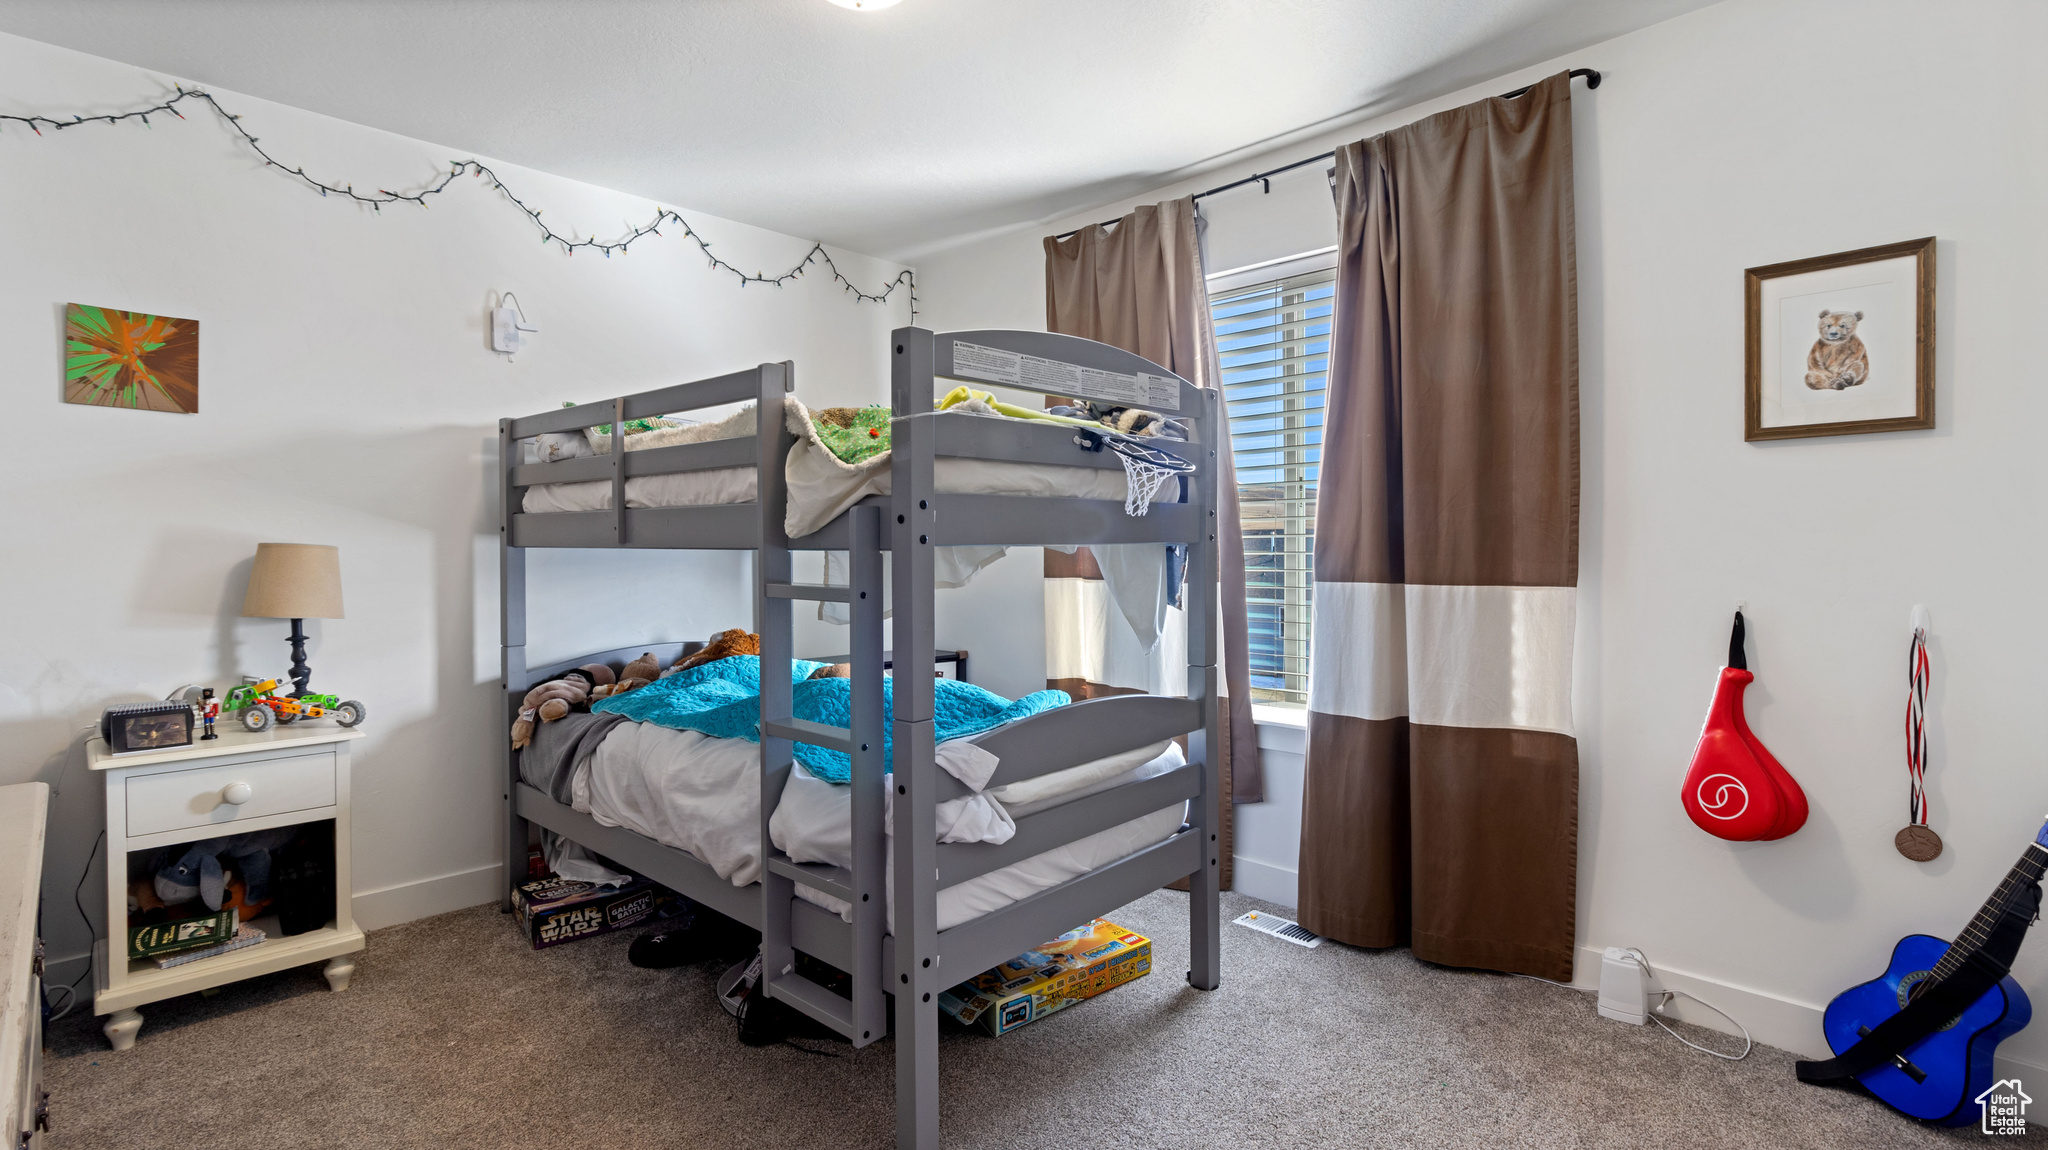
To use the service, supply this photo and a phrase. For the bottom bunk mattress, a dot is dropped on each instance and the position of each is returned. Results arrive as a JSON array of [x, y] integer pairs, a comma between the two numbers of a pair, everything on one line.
[[702, 794]]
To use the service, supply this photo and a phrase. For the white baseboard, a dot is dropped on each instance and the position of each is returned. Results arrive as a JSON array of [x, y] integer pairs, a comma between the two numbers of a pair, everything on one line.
[[1772, 1020], [404, 902], [1274, 884]]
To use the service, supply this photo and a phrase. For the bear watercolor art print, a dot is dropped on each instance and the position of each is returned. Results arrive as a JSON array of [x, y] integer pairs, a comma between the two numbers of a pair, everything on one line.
[[1838, 359], [1841, 344]]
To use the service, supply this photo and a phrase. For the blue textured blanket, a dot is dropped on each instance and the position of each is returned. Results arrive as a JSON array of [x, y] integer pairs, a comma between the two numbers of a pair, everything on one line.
[[723, 698]]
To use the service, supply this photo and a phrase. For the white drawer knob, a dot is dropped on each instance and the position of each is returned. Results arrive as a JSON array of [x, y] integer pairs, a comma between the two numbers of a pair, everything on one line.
[[236, 794]]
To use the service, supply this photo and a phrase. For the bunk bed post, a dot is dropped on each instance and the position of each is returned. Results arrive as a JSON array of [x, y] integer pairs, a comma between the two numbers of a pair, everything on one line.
[[870, 767], [511, 656], [618, 453], [772, 565], [1204, 642], [919, 974]]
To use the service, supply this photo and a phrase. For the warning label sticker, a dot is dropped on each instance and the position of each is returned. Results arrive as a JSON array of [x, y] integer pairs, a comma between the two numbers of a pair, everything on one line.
[[994, 365]]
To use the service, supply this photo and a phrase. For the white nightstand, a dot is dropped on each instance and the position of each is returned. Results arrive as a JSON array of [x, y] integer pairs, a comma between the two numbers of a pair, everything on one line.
[[287, 776]]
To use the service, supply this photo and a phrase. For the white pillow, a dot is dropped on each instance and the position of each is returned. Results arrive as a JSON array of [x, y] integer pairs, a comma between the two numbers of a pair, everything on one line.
[[1076, 778]]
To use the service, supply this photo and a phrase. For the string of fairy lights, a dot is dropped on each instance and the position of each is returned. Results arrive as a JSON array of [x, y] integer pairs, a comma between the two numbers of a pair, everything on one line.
[[476, 169]]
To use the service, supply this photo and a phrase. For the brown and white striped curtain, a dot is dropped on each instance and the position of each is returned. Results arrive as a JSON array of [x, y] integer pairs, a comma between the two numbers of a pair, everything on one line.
[[1441, 799], [1138, 285]]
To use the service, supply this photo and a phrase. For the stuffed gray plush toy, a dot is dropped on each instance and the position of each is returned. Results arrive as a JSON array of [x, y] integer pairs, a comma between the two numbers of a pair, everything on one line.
[[198, 873]]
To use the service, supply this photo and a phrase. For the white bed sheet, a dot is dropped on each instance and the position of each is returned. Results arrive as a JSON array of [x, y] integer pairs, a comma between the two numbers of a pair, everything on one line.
[[701, 794]]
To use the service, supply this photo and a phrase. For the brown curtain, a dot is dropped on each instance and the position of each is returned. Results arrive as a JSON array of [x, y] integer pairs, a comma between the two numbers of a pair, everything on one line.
[[1138, 285], [1441, 800]]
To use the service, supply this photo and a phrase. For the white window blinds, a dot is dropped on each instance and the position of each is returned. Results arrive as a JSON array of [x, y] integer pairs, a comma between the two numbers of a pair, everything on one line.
[[1274, 341]]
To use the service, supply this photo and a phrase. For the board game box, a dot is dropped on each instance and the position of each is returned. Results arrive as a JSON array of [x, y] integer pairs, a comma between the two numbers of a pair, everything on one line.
[[557, 910], [1081, 963]]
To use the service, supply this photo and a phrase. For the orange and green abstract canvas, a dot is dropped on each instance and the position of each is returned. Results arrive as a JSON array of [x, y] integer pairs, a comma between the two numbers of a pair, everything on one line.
[[128, 359]]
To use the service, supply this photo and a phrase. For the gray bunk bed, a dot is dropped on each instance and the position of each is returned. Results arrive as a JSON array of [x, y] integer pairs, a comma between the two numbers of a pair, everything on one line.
[[917, 960]]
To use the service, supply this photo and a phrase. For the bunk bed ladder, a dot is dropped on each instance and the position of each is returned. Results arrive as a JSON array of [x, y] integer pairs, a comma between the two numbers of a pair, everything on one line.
[[863, 1018]]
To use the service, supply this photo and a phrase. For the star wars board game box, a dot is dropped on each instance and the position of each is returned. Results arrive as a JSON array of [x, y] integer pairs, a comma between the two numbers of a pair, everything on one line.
[[1081, 963], [557, 910]]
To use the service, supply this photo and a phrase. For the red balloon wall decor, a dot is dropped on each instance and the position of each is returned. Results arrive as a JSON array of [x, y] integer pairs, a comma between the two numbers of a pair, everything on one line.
[[1736, 788]]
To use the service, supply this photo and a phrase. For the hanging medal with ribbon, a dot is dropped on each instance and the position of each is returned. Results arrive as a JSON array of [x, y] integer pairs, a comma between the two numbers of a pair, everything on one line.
[[1917, 841]]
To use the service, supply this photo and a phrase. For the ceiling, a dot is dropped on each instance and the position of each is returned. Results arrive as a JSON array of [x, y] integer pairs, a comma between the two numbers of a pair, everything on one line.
[[893, 132]]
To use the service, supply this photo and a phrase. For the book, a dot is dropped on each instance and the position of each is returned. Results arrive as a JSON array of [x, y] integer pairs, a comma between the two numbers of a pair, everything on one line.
[[244, 936], [184, 934]]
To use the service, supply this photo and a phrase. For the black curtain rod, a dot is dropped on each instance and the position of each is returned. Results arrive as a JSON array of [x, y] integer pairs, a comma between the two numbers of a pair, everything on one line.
[[1591, 77]]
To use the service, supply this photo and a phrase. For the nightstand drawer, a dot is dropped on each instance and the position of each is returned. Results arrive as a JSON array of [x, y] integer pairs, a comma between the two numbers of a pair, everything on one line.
[[198, 799]]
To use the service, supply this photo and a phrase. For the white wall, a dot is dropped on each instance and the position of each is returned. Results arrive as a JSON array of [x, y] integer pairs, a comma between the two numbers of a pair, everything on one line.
[[1266, 837], [348, 396], [1748, 133]]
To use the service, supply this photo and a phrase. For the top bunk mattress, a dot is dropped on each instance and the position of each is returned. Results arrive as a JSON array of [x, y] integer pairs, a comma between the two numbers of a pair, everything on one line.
[[821, 486]]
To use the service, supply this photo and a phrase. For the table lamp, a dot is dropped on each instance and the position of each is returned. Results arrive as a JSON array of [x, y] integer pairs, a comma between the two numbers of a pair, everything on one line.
[[296, 581]]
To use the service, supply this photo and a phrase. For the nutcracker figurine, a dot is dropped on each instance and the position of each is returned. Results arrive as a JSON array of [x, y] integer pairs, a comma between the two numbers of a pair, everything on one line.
[[209, 710]]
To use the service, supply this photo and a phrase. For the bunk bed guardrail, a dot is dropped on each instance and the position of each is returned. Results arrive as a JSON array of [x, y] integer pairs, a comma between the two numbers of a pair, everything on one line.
[[721, 526]]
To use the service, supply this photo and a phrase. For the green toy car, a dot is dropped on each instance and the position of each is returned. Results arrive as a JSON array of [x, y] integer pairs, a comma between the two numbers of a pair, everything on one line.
[[261, 706]]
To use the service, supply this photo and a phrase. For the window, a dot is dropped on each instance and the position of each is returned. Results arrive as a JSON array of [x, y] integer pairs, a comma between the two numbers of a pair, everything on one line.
[[1273, 335]]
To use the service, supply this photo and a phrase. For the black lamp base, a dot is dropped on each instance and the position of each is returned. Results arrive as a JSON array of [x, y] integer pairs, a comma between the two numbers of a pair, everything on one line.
[[301, 673]]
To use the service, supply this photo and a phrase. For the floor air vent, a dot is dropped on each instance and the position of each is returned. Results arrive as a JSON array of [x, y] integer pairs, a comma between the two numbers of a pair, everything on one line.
[[1279, 927]]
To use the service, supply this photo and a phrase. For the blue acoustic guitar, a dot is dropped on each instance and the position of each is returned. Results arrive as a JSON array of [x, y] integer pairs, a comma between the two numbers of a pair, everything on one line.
[[1939, 1076]]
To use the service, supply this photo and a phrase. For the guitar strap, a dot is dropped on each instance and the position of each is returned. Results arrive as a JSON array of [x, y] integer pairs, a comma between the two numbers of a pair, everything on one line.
[[1948, 998]]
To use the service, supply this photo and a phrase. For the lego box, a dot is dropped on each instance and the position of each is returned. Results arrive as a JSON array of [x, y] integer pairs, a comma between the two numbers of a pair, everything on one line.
[[1081, 963], [557, 910]]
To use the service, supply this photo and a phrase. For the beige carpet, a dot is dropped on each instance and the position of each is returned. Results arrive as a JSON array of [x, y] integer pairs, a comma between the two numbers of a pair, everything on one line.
[[456, 1035]]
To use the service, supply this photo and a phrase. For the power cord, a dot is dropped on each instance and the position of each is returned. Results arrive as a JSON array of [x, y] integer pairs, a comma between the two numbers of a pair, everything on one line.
[[1641, 960], [70, 1000], [77, 896], [1637, 956], [78, 900]]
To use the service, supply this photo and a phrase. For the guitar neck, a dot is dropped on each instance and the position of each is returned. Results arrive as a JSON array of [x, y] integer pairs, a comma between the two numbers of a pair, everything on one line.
[[2028, 870]]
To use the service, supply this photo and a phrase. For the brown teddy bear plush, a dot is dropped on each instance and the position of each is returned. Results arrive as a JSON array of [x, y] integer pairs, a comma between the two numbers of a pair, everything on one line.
[[733, 642], [557, 697], [637, 673]]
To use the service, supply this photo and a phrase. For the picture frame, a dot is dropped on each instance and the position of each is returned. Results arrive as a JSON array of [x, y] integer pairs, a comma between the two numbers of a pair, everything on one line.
[[131, 359], [1840, 344]]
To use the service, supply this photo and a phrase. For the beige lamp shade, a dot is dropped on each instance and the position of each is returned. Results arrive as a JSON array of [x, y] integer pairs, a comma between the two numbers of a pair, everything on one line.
[[294, 581]]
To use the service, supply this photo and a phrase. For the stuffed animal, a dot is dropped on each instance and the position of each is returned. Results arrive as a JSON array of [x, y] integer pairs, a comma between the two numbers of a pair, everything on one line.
[[637, 673], [199, 872], [142, 898], [723, 644], [557, 697], [834, 671], [238, 899]]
